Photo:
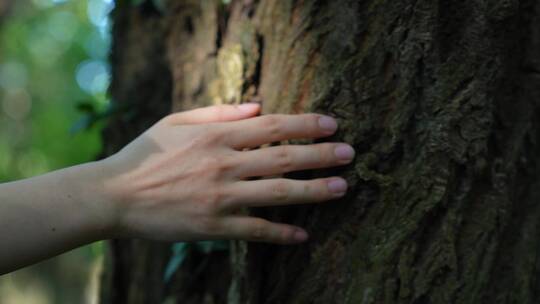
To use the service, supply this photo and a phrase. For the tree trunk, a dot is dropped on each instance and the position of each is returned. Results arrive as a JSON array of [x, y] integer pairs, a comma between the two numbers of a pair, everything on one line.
[[441, 100]]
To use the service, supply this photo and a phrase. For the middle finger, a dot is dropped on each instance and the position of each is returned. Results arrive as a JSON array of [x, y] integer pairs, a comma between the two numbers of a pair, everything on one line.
[[287, 158], [254, 132]]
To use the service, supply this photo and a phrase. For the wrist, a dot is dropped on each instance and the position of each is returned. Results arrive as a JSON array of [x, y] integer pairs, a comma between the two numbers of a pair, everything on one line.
[[89, 182]]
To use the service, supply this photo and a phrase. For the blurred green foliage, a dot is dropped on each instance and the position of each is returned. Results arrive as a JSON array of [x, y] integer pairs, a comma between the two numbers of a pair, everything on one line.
[[53, 69], [52, 58]]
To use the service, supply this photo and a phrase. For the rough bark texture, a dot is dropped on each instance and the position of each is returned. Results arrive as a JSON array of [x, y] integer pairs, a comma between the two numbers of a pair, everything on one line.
[[441, 100]]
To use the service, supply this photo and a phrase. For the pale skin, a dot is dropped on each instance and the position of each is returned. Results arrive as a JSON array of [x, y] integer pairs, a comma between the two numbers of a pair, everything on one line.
[[187, 178]]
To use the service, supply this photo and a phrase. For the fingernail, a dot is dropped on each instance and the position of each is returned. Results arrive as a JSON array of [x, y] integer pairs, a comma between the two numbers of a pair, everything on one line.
[[328, 124], [248, 107], [344, 152], [338, 186], [300, 235]]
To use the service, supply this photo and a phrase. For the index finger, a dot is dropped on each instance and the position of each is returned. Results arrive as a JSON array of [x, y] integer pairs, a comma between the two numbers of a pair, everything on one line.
[[254, 132]]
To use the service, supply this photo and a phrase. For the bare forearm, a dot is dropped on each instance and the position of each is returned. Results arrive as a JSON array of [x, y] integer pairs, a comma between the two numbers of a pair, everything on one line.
[[184, 179], [46, 215]]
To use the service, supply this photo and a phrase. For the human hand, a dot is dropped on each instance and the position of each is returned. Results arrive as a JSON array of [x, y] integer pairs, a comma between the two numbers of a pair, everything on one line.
[[186, 178]]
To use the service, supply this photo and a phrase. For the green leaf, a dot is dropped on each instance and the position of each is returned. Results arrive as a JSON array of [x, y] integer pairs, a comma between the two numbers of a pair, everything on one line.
[[208, 246], [180, 251], [83, 124], [179, 254], [87, 107]]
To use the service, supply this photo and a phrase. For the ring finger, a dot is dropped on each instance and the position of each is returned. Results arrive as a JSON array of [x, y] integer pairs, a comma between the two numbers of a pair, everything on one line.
[[281, 191]]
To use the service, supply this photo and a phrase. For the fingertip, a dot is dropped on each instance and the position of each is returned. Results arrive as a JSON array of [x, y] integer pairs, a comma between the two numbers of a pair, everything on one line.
[[337, 186], [249, 108], [327, 124], [300, 235], [344, 152]]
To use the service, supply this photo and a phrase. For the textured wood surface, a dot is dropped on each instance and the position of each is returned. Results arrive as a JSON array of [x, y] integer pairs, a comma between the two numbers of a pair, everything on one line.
[[441, 100]]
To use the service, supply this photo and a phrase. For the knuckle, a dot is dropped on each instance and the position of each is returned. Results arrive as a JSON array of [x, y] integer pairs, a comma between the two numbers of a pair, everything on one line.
[[330, 155], [314, 190], [281, 191], [320, 190], [323, 154], [223, 165], [209, 226], [217, 165], [217, 201], [215, 136], [311, 122], [206, 137], [208, 165], [259, 231], [224, 168], [272, 123], [211, 135], [284, 158]]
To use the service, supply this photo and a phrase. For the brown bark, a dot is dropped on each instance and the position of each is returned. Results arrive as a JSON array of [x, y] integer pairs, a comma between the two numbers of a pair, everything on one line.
[[440, 100]]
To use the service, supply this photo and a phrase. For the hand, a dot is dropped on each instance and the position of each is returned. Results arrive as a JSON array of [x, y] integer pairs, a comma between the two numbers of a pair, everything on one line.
[[187, 177]]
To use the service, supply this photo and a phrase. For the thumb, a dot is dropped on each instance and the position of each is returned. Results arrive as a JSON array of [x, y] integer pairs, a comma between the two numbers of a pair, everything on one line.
[[215, 114]]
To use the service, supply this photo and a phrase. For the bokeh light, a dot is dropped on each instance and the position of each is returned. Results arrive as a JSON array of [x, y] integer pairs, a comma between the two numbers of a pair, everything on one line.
[[53, 57], [93, 76]]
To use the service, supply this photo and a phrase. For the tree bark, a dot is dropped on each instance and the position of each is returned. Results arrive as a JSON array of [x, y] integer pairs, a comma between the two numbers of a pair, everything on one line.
[[441, 100]]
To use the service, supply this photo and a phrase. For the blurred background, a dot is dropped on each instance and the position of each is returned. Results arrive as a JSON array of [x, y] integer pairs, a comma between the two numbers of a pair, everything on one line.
[[53, 82]]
